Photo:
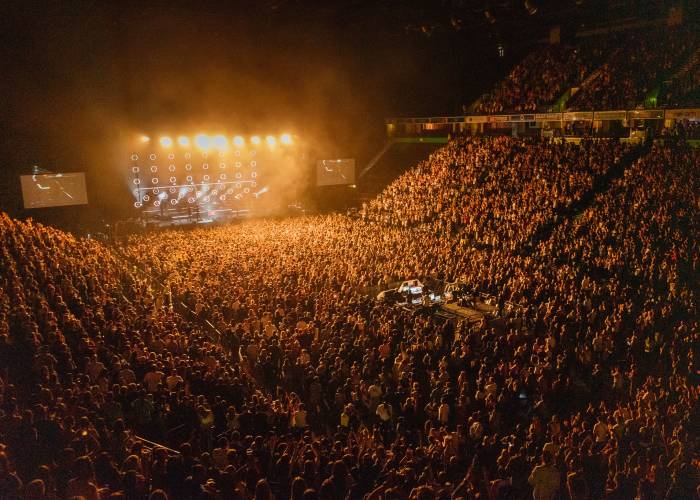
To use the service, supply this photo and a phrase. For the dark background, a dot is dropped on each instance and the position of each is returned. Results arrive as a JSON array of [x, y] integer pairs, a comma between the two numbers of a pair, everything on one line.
[[82, 79]]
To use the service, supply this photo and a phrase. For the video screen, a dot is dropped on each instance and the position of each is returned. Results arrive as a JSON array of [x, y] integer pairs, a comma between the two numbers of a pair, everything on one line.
[[335, 172], [53, 190]]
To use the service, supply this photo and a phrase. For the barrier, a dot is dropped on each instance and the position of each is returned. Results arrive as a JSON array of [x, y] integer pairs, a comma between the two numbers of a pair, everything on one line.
[[455, 123], [646, 114]]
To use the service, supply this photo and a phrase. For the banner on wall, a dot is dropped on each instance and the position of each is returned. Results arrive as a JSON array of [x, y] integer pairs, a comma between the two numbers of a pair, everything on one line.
[[476, 119], [610, 115], [683, 114], [498, 118], [577, 116], [642, 114], [522, 118], [646, 114]]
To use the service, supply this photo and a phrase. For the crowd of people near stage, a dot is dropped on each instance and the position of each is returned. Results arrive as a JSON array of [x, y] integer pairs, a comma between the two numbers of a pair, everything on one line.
[[251, 361], [497, 191]]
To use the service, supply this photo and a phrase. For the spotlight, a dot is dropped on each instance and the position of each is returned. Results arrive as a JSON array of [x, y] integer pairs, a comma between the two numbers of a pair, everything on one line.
[[270, 140], [166, 141], [183, 141], [145, 138], [286, 139], [238, 141], [255, 140], [220, 142], [202, 141]]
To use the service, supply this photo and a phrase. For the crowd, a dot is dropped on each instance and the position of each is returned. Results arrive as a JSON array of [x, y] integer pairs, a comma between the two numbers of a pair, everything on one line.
[[638, 64], [624, 68], [683, 92], [540, 79], [682, 130], [251, 361], [497, 191]]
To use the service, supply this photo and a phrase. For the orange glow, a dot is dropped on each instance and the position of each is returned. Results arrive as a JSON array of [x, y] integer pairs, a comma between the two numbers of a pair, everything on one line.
[[220, 142], [203, 141]]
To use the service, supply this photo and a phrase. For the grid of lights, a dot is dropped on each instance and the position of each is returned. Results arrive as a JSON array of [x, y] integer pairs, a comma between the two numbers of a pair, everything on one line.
[[220, 170], [219, 142]]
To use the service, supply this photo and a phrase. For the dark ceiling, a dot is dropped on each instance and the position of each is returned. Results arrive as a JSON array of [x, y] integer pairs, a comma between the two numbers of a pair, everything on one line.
[[79, 77], [511, 18]]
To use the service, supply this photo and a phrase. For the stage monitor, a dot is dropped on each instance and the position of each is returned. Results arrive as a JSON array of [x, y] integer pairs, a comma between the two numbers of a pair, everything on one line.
[[335, 172], [53, 190]]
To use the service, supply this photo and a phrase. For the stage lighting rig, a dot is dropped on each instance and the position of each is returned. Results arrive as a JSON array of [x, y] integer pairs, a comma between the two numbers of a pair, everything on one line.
[[204, 172], [203, 141], [220, 142]]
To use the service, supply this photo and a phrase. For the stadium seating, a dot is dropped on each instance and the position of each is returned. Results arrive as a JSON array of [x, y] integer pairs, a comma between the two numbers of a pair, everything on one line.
[[251, 361], [609, 72]]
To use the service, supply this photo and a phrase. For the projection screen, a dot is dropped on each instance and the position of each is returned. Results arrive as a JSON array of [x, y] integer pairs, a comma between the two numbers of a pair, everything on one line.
[[53, 190]]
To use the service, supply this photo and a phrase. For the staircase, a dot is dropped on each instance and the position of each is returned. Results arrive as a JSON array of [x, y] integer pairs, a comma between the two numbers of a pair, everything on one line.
[[376, 158], [600, 185], [469, 110], [392, 162], [689, 64], [560, 104], [651, 99], [595, 74]]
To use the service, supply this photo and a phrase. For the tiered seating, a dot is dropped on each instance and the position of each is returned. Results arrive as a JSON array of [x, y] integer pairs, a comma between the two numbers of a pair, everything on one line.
[[540, 79], [315, 390], [499, 191], [640, 62], [625, 67]]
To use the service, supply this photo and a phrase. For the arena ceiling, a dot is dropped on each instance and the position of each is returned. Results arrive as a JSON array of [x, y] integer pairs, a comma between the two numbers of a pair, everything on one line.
[[512, 18], [79, 75]]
